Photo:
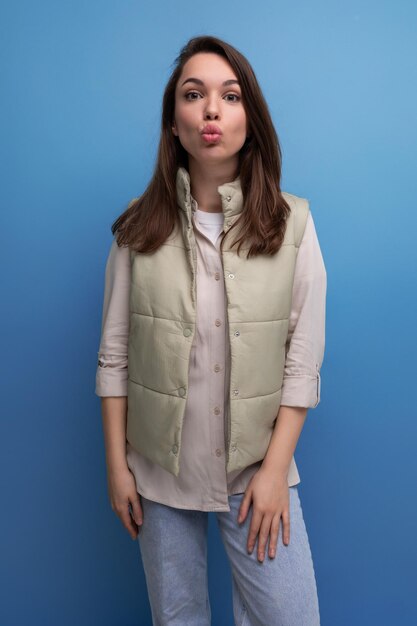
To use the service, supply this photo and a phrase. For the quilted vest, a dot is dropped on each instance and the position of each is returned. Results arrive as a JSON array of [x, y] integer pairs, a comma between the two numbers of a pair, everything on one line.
[[163, 325]]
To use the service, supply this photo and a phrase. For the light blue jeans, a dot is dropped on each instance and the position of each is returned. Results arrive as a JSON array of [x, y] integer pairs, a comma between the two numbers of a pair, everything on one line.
[[276, 592]]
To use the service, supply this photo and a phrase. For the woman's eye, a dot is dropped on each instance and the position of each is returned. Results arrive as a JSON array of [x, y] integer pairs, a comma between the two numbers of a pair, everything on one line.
[[234, 95], [195, 93], [191, 93]]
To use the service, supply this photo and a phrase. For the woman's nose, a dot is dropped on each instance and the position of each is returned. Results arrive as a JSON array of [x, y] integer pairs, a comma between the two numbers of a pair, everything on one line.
[[212, 109]]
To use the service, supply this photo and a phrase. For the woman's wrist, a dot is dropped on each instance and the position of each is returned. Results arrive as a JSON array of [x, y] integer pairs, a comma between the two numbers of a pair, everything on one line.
[[275, 469], [116, 463], [114, 410], [289, 423]]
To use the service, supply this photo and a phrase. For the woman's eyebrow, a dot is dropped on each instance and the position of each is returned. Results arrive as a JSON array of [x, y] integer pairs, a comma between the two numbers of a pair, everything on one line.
[[231, 81]]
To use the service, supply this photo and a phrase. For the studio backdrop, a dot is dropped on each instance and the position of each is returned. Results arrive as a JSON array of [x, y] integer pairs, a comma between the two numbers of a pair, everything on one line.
[[81, 96]]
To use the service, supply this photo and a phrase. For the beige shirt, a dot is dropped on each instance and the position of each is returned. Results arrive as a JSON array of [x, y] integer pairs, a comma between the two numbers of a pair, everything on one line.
[[202, 483]]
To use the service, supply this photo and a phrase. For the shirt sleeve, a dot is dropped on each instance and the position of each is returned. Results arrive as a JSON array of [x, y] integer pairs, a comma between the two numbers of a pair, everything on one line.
[[112, 372], [306, 332]]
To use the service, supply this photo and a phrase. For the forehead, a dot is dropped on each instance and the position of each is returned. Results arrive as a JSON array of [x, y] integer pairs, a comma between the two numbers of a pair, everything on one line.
[[208, 67]]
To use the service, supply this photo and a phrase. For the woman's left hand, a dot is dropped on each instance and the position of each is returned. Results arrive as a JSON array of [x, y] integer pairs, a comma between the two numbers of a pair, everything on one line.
[[270, 495]]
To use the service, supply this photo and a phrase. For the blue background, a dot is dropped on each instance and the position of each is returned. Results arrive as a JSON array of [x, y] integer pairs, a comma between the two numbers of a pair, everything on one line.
[[82, 84]]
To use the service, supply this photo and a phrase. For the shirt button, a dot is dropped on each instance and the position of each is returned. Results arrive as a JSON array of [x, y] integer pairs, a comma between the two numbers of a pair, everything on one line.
[[216, 410], [231, 275], [218, 452], [218, 322], [217, 275], [182, 391], [217, 368], [187, 332]]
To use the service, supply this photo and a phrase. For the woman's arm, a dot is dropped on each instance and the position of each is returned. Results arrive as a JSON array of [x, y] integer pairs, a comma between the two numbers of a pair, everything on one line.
[[111, 374], [304, 352], [111, 386], [120, 480], [114, 411], [268, 488], [112, 370], [288, 427]]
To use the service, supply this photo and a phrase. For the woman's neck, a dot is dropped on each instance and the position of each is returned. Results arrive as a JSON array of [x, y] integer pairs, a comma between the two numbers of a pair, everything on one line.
[[204, 184]]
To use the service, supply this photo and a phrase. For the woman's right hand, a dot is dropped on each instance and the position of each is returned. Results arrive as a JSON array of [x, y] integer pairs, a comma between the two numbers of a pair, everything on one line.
[[122, 493]]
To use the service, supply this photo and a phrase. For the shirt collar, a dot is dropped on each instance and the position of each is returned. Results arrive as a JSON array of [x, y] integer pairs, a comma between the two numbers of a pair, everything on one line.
[[231, 195]]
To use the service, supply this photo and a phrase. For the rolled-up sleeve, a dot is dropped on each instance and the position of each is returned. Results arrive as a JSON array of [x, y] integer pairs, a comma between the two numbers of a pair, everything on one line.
[[112, 372], [306, 332]]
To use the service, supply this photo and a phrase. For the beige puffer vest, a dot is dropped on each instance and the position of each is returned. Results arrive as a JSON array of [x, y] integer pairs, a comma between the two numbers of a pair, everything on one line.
[[162, 328]]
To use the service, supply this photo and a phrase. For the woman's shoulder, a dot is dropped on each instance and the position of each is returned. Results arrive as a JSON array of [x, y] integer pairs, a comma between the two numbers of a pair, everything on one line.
[[296, 201], [119, 258]]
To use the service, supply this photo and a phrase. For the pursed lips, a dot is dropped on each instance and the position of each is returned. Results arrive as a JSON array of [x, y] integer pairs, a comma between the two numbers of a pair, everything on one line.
[[211, 133]]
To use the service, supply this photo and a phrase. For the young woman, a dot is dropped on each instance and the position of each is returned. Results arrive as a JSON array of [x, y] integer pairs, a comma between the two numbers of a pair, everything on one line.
[[210, 354]]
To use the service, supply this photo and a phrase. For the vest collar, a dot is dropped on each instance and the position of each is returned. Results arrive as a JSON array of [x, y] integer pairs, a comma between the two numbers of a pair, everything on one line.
[[231, 196]]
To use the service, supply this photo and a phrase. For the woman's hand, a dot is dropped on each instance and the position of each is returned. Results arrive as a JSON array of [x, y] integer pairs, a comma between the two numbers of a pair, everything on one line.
[[270, 496], [122, 493], [120, 480]]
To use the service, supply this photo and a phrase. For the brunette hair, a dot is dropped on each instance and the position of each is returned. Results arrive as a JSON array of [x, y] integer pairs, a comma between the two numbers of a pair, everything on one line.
[[149, 219]]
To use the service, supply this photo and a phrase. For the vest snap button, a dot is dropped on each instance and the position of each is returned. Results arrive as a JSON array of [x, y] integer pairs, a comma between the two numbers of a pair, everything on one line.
[[234, 447], [174, 449], [181, 391], [236, 392], [237, 333], [187, 332], [231, 275], [228, 198]]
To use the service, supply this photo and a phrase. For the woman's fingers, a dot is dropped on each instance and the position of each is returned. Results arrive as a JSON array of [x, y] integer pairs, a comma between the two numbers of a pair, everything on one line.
[[244, 506], [273, 540], [125, 500], [254, 528], [264, 527], [137, 510], [263, 536], [286, 527], [123, 512]]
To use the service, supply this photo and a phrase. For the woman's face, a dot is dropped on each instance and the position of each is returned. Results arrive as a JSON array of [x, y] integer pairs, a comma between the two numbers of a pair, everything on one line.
[[206, 100]]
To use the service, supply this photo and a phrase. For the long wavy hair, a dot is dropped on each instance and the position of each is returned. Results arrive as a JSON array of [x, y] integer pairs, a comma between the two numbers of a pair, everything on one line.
[[149, 220]]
